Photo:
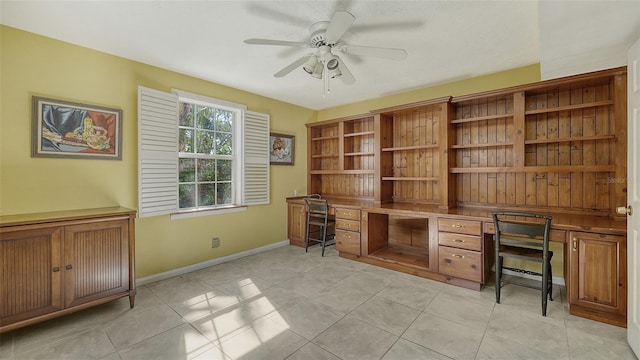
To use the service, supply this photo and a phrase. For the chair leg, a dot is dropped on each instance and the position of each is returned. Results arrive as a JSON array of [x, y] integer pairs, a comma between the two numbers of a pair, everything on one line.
[[306, 238], [324, 238], [545, 288], [498, 277], [550, 284]]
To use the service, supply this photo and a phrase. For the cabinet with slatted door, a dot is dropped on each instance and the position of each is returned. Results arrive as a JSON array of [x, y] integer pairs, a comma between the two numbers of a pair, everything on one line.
[[61, 262]]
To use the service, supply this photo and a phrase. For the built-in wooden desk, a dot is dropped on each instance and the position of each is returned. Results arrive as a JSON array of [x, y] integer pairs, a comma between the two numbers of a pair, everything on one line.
[[456, 246]]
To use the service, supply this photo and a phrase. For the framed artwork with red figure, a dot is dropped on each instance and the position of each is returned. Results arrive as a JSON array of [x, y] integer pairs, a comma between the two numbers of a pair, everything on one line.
[[73, 130]]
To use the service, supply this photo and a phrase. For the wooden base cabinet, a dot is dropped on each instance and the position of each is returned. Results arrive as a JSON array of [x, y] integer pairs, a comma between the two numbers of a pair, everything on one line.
[[597, 286], [297, 223], [57, 263]]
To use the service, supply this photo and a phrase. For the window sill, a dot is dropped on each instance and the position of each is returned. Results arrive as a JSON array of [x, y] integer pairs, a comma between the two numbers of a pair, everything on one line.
[[198, 213]]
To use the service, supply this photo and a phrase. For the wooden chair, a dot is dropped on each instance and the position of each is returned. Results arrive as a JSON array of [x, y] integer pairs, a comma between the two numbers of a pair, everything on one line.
[[319, 223], [524, 236]]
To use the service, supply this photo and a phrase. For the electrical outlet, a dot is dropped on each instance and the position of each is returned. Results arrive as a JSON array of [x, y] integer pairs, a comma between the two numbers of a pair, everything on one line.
[[215, 242]]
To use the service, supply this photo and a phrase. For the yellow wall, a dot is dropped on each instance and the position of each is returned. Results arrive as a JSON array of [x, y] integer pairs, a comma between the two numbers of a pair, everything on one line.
[[35, 65]]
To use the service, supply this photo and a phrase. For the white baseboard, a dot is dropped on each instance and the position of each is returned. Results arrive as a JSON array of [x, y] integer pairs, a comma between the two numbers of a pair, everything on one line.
[[556, 280], [189, 268]]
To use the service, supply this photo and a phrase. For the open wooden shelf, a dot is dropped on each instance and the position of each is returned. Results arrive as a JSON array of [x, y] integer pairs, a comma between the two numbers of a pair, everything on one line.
[[405, 255], [575, 138], [362, 153], [570, 107], [363, 133], [340, 172], [537, 169], [318, 156], [476, 146], [409, 148], [481, 118], [324, 138], [407, 178]]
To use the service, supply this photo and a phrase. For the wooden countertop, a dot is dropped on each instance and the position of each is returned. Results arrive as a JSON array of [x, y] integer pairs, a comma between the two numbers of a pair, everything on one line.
[[560, 221], [45, 217]]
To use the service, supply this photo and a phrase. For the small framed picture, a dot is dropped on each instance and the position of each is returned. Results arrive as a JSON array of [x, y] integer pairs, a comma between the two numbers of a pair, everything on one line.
[[281, 149], [64, 129]]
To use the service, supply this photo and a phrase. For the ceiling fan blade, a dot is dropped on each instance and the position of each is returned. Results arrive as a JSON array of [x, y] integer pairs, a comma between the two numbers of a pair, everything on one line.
[[346, 77], [340, 23], [385, 53], [289, 68], [276, 42]]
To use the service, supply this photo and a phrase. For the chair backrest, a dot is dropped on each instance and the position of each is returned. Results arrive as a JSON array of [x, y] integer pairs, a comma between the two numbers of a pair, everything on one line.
[[317, 209], [522, 226]]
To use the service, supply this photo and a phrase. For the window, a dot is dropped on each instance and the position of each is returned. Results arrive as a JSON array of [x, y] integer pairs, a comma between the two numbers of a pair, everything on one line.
[[206, 156], [197, 153]]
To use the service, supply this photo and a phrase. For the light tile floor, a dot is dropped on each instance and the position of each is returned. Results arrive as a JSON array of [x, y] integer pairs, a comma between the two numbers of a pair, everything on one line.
[[288, 304]]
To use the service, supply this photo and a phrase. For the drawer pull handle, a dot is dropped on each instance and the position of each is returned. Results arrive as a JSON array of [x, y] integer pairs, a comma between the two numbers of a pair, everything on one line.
[[56, 269], [69, 267], [457, 226], [458, 256], [458, 240], [575, 244]]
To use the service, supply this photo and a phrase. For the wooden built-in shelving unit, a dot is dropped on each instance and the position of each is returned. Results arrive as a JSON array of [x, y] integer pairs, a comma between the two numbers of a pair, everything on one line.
[[557, 145], [424, 178], [342, 157]]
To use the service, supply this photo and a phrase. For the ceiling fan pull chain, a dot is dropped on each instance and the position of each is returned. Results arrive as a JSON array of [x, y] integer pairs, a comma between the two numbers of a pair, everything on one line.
[[325, 81]]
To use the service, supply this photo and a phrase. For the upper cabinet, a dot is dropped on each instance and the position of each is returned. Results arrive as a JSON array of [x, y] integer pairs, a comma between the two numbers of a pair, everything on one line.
[[556, 145], [412, 168], [342, 157]]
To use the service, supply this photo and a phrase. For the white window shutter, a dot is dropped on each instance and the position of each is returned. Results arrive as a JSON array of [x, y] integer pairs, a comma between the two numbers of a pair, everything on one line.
[[157, 152], [255, 170]]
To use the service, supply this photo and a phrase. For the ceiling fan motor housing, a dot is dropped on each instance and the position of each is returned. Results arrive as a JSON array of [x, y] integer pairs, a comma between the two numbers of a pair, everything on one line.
[[317, 31]]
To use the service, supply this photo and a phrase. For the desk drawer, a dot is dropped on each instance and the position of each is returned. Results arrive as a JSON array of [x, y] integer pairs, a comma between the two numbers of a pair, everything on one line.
[[470, 227], [352, 214], [351, 225], [460, 263], [468, 242], [348, 241]]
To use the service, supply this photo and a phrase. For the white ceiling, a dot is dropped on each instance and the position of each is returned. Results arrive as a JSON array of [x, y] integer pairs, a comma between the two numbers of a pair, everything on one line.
[[445, 40]]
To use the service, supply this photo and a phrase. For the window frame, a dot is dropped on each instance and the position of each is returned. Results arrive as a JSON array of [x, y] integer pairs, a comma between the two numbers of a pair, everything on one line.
[[235, 157]]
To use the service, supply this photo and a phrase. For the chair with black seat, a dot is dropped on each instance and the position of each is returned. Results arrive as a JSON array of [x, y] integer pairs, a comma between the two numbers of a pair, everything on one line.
[[524, 236], [319, 223]]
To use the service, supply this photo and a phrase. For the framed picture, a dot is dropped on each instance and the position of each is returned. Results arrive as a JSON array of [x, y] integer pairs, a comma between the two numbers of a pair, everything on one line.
[[281, 149], [64, 129]]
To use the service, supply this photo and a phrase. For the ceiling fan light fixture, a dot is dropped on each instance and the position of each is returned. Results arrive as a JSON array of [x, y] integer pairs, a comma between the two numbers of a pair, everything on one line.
[[317, 71], [310, 65], [333, 65]]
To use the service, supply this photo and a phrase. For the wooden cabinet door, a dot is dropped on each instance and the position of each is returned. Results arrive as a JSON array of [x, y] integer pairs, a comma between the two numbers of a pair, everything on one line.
[[96, 260], [598, 272], [296, 228], [30, 273]]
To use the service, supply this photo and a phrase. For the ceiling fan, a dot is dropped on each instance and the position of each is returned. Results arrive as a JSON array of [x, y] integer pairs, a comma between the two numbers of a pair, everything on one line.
[[325, 40]]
